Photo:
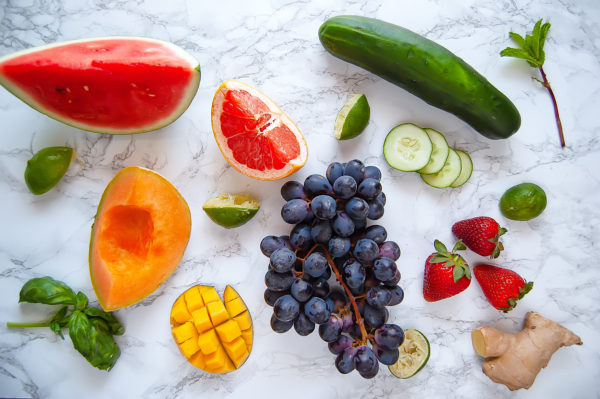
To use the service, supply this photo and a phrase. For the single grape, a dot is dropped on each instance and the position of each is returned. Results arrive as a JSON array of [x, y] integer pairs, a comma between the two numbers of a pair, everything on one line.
[[375, 210], [279, 281], [286, 308], [334, 170], [394, 280], [347, 322], [366, 250], [371, 281], [310, 216], [301, 290], [381, 198], [344, 187], [323, 207], [300, 237], [271, 296], [369, 188], [356, 169], [357, 208], [396, 295], [374, 317], [342, 225], [293, 190], [331, 329], [385, 355], [377, 297], [339, 246], [372, 172], [329, 303], [316, 310], [376, 233], [282, 260], [389, 249], [316, 185], [280, 326], [321, 232], [303, 325], [354, 273], [389, 336], [321, 287], [366, 362], [336, 347], [358, 290], [384, 269], [359, 225], [270, 243], [344, 362], [315, 264], [294, 211], [338, 297]]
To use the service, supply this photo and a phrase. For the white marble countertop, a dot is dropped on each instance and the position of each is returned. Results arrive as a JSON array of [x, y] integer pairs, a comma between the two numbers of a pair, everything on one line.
[[273, 45]]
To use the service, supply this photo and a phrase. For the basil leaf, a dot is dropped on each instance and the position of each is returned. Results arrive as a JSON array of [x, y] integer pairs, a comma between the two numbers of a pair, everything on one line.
[[48, 291], [91, 338], [81, 301], [113, 324], [59, 321]]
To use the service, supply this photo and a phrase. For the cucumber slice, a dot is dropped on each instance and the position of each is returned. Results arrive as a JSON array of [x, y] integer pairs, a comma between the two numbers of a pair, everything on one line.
[[446, 176], [407, 148], [466, 169], [414, 354], [439, 153]]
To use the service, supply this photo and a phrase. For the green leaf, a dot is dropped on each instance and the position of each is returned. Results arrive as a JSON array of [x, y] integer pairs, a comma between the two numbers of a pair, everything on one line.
[[48, 291], [543, 34], [459, 246], [439, 259], [518, 39], [81, 301], [59, 321], [439, 246], [91, 338], [518, 53], [113, 324], [535, 40], [458, 273]]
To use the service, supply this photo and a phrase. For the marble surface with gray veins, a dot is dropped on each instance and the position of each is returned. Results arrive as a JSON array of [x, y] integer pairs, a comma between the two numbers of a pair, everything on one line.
[[273, 46]]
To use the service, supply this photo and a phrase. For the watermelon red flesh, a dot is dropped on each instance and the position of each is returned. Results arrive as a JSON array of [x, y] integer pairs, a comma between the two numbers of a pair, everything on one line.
[[114, 85], [254, 130]]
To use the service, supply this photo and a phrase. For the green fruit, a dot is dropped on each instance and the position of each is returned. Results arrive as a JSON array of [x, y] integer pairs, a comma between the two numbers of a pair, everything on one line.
[[523, 201], [352, 118], [231, 210], [424, 68], [414, 354], [47, 167]]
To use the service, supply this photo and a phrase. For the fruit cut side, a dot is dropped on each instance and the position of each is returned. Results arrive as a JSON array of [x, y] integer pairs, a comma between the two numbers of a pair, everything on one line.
[[115, 85], [414, 354], [139, 236], [439, 153], [352, 118], [254, 135], [230, 210], [448, 174], [407, 148]]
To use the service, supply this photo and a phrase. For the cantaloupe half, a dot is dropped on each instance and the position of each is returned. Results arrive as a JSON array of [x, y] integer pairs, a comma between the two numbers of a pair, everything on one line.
[[139, 236]]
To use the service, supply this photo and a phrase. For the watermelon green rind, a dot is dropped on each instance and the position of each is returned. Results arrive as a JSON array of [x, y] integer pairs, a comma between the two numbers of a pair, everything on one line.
[[178, 53]]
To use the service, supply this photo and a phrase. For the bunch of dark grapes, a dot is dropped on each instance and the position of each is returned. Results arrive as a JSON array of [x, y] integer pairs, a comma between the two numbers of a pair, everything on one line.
[[335, 272]]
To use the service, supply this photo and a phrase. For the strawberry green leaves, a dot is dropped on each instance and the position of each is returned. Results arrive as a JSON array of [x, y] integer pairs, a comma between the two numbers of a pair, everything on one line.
[[91, 329], [531, 49]]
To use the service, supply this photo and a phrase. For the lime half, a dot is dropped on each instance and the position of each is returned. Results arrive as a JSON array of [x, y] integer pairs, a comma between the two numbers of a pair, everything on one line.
[[231, 210], [47, 167], [352, 118], [414, 354], [523, 201]]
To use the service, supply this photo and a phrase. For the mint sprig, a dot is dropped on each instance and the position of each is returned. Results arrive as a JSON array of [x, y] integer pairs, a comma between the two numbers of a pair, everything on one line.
[[531, 49]]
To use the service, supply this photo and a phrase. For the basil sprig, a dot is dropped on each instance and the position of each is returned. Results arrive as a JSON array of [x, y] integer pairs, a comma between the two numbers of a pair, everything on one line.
[[91, 329]]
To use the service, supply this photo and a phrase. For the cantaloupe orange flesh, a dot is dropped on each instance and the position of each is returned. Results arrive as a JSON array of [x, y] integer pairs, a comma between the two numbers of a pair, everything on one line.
[[214, 335], [140, 233]]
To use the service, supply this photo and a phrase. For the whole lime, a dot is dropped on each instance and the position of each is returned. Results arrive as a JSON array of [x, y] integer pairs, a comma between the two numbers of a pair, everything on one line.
[[47, 167], [524, 201]]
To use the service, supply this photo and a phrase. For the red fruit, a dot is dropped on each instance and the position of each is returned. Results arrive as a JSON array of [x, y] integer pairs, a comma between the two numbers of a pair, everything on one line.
[[446, 273], [502, 287], [481, 235]]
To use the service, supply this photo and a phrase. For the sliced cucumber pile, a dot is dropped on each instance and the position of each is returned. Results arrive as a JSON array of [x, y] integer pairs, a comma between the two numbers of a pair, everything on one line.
[[410, 148]]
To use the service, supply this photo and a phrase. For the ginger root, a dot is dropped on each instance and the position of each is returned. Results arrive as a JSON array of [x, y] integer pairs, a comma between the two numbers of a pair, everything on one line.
[[518, 357]]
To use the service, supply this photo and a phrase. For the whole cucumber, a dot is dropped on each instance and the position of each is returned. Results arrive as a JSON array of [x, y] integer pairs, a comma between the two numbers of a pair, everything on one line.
[[423, 68]]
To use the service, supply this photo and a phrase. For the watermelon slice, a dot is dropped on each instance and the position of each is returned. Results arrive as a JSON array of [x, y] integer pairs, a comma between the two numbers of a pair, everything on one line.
[[115, 85]]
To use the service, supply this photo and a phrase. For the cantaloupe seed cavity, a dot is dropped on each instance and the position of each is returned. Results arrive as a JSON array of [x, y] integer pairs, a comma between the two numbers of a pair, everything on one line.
[[129, 228]]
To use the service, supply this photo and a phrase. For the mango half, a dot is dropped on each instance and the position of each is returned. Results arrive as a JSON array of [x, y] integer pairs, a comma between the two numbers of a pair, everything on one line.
[[214, 335], [139, 236]]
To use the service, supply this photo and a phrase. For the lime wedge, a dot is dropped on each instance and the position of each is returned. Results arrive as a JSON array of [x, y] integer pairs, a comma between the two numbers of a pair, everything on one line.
[[414, 354], [352, 118], [47, 167], [231, 210]]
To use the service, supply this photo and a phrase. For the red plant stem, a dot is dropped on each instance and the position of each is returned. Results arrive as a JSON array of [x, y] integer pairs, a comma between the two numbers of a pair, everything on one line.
[[359, 320], [558, 122]]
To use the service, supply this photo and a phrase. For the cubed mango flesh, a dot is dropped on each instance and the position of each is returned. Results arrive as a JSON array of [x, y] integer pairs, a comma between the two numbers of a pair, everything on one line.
[[214, 335]]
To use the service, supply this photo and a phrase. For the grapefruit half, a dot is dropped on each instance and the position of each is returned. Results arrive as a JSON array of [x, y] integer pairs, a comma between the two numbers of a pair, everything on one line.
[[254, 135]]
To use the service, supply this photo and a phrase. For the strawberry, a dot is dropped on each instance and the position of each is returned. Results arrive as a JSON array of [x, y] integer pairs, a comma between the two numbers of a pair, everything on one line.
[[446, 273], [481, 235], [502, 287]]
